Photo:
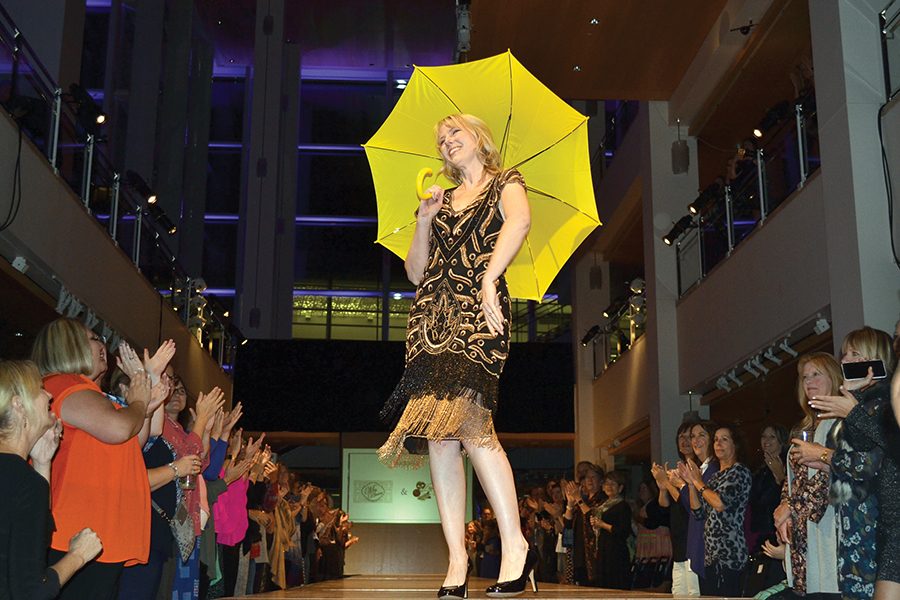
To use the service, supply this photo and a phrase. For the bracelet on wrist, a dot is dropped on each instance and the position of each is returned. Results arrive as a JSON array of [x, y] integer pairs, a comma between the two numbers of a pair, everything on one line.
[[174, 468], [701, 490], [825, 456]]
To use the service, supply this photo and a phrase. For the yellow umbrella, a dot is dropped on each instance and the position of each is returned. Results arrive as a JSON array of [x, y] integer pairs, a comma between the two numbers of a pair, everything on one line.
[[538, 133]]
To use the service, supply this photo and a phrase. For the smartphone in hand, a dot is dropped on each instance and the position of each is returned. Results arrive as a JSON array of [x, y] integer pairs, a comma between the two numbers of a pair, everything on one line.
[[860, 370]]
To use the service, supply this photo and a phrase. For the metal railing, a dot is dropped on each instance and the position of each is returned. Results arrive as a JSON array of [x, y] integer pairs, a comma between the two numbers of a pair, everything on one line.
[[763, 179], [76, 151]]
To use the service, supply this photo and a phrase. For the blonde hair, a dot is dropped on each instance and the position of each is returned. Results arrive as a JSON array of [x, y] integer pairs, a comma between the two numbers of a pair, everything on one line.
[[487, 150], [62, 346], [829, 367], [872, 343], [18, 378]]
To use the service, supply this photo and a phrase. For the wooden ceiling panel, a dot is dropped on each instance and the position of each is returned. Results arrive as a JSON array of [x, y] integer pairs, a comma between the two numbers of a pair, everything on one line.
[[635, 51]]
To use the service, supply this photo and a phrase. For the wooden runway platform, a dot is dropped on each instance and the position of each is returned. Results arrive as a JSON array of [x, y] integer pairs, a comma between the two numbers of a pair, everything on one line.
[[424, 587]]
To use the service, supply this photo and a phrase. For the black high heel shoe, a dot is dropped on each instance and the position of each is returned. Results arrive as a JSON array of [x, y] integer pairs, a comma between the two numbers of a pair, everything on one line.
[[515, 587], [457, 592]]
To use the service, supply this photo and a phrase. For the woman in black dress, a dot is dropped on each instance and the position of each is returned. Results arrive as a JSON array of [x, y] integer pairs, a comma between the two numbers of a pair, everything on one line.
[[27, 428], [612, 522], [457, 342]]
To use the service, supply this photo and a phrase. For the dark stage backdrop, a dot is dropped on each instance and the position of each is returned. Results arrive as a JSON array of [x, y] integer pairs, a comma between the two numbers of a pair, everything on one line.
[[313, 385]]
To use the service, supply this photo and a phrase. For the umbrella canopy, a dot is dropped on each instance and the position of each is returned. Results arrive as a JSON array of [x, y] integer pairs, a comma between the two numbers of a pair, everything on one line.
[[536, 132]]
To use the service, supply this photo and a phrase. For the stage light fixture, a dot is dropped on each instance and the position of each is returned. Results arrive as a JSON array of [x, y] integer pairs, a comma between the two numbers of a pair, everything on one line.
[[592, 334], [770, 354], [162, 218], [90, 116], [734, 378], [679, 228], [707, 197], [614, 310], [722, 384], [775, 115], [757, 363], [637, 285], [137, 183], [748, 366], [784, 346]]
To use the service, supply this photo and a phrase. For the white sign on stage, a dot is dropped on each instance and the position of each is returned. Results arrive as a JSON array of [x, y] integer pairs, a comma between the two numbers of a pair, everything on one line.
[[374, 493]]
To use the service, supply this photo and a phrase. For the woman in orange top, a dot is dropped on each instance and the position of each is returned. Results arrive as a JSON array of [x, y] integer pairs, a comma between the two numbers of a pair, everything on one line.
[[98, 477]]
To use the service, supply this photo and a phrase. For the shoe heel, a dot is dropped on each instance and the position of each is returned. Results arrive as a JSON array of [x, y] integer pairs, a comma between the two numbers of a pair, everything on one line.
[[533, 581]]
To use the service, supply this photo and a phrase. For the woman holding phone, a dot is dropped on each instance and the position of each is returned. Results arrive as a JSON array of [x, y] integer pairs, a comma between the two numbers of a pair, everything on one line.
[[865, 478]]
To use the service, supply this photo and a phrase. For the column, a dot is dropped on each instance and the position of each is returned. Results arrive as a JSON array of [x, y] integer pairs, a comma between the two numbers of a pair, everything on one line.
[[849, 92], [665, 198], [173, 109], [193, 207], [269, 180]]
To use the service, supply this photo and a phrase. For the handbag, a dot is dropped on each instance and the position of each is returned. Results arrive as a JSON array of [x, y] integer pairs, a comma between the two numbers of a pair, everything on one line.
[[182, 525]]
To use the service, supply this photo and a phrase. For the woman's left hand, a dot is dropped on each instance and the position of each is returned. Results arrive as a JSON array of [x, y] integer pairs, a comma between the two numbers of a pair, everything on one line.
[[43, 450], [490, 306], [806, 452], [834, 407]]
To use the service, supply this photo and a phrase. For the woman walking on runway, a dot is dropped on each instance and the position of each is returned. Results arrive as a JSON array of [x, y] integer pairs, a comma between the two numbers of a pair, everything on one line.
[[457, 342]]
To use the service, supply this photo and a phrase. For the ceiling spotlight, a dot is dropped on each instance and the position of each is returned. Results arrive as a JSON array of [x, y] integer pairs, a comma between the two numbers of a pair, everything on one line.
[[639, 318], [734, 378], [770, 355], [784, 346], [683, 224], [821, 326], [637, 285], [592, 334], [637, 302], [577, 68], [595, 21]]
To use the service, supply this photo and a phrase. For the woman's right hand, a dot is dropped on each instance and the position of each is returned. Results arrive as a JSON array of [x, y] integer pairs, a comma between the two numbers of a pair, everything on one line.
[[140, 389], [659, 474], [86, 544], [570, 489], [773, 551], [429, 207], [783, 523]]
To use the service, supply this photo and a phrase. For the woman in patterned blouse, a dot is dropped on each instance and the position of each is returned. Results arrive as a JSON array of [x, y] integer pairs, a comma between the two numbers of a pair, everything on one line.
[[721, 504]]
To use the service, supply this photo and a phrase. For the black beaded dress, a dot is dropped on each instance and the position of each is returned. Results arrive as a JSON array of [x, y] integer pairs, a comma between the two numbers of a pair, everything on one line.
[[453, 362]]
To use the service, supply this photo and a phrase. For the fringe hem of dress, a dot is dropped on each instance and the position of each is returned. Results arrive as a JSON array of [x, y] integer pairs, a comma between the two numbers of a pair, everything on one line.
[[429, 418]]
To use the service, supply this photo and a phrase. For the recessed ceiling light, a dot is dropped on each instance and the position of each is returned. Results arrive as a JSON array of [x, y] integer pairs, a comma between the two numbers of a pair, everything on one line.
[[19, 334], [595, 21], [219, 21], [577, 68]]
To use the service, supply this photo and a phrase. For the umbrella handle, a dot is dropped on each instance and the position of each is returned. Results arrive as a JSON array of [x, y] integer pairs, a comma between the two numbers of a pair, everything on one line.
[[420, 183]]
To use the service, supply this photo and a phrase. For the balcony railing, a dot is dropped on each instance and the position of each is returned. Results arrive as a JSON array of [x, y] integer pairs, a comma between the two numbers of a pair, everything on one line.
[[63, 126], [764, 178]]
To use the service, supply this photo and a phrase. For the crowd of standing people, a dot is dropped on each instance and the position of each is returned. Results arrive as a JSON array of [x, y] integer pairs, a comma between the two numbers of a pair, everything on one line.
[[132, 494]]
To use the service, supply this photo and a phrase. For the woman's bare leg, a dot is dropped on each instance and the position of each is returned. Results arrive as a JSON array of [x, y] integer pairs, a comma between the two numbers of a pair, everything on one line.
[[448, 476], [496, 477]]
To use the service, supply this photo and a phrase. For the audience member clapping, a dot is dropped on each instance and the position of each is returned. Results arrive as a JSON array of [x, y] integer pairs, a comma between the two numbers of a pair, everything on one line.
[[27, 429]]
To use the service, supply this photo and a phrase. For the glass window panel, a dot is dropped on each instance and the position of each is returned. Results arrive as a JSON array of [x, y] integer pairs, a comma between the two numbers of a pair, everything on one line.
[[94, 49], [337, 258], [226, 121], [219, 252], [335, 185], [223, 181], [337, 112]]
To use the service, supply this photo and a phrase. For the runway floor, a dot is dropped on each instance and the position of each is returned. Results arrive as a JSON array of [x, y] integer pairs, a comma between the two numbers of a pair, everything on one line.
[[422, 587]]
